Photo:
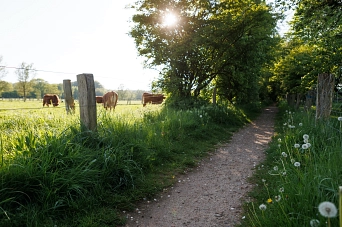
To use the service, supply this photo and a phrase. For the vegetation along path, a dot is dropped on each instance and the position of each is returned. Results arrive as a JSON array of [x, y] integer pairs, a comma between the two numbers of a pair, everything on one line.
[[212, 194]]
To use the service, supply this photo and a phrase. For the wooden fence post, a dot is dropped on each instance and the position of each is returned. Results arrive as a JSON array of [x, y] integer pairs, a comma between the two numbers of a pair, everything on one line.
[[87, 101], [69, 100], [325, 89]]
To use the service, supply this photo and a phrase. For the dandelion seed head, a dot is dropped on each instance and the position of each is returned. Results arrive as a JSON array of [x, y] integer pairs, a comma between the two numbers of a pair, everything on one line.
[[279, 145], [327, 209], [284, 154], [314, 223], [296, 145], [284, 173], [262, 207], [279, 140], [263, 180], [275, 168], [305, 146], [339, 118], [308, 144], [300, 124], [277, 198], [292, 126], [306, 136], [285, 123], [296, 164], [306, 141], [281, 190]]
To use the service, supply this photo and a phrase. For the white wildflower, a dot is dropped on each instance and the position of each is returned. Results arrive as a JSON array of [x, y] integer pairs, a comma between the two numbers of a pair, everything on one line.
[[275, 168], [305, 146], [339, 118], [327, 209], [281, 190], [297, 164], [314, 223], [296, 145], [306, 136], [284, 154], [300, 124], [262, 207]]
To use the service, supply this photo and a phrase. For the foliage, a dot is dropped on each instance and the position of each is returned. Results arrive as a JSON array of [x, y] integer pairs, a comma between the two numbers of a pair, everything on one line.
[[221, 43], [302, 170], [25, 72], [54, 174]]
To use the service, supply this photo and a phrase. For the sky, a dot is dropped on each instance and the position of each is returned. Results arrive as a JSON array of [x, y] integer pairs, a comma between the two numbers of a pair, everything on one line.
[[71, 37], [64, 38]]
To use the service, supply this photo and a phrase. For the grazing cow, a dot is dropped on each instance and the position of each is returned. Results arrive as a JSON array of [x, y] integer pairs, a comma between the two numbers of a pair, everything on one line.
[[49, 98], [152, 98], [99, 99], [110, 100]]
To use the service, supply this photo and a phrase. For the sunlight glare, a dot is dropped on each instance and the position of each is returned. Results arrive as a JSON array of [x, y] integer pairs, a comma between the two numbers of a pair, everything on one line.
[[170, 19]]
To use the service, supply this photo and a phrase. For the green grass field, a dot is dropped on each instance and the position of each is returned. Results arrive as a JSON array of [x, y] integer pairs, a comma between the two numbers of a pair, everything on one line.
[[52, 173]]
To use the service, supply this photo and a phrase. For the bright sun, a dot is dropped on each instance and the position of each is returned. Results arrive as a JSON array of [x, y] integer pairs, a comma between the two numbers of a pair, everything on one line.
[[170, 19]]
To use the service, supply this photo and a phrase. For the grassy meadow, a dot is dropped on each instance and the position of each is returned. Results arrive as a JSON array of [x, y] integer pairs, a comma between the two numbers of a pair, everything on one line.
[[53, 174], [302, 171]]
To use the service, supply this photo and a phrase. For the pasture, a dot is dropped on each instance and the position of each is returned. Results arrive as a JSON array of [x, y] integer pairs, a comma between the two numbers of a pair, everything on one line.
[[54, 174]]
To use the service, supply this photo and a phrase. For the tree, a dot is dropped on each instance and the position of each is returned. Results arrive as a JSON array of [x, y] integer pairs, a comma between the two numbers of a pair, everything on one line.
[[3, 73], [40, 87], [25, 74], [223, 40]]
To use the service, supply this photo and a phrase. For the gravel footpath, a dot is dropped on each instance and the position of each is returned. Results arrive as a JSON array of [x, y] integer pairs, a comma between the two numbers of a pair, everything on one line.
[[212, 194]]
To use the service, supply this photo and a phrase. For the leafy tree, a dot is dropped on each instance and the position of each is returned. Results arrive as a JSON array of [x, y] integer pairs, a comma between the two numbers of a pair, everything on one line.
[[25, 73], [40, 86], [214, 42]]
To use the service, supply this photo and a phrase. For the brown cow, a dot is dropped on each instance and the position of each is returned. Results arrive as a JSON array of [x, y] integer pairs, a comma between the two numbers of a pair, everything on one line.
[[99, 99], [50, 98], [110, 100], [152, 98]]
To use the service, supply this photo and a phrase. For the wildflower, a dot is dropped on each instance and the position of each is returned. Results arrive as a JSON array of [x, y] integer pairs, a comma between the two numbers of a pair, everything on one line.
[[297, 164], [284, 173], [281, 190], [300, 124], [314, 223], [306, 136], [296, 145], [263, 180], [285, 123], [262, 207], [306, 141], [279, 145], [284, 154], [305, 146], [292, 161], [277, 198], [279, 140], [292, 126], [275, 168], [200, 116], [339, 118], [309, 144], [327, 209], [269, 200]]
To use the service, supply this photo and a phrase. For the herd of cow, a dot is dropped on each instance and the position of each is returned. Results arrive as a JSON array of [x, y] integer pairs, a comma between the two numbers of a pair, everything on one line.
[[109, 100]]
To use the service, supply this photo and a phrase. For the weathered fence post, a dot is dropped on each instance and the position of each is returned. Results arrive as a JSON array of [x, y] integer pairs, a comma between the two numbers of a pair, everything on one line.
[[69, 100], [87, 101], [325, 89]]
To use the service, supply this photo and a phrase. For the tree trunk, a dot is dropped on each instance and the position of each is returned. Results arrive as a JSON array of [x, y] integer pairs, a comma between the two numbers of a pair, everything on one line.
[[325, 88]]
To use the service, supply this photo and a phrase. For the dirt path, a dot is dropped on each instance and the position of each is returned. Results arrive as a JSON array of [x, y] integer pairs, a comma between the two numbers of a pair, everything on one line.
[[213, 193]]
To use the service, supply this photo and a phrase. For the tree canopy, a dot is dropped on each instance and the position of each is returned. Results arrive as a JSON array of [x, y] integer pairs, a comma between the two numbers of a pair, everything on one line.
[[213, 43]]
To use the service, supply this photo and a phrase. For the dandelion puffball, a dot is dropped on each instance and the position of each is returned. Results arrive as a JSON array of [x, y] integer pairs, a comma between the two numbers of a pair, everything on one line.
[[327, 209], [262, 207]]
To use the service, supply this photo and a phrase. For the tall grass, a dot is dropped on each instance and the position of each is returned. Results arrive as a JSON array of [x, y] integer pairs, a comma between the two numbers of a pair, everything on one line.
[[302, 170], [51, 173]]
